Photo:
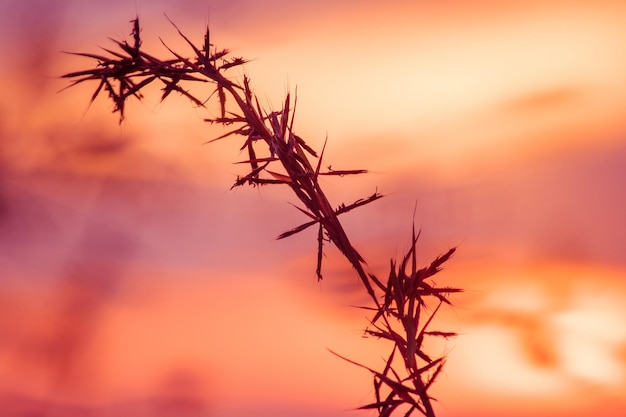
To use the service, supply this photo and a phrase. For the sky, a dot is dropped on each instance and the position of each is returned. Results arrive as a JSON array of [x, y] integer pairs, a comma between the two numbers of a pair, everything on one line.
[[133, 281]]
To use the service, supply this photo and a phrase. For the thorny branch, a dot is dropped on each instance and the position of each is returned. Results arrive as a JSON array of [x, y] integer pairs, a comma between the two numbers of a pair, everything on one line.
[[399, 304]]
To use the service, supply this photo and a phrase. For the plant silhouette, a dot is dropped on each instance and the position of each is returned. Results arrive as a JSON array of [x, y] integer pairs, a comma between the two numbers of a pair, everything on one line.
[[403, 305]]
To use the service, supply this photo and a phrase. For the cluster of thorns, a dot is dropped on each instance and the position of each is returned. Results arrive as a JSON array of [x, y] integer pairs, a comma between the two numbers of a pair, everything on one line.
[[401, 312]]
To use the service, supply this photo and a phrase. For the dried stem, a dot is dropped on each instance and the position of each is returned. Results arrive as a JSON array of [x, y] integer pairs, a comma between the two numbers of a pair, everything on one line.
[[398, 304]]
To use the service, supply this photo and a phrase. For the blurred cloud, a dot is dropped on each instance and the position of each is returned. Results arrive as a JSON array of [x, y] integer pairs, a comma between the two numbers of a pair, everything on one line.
[[541, 100]]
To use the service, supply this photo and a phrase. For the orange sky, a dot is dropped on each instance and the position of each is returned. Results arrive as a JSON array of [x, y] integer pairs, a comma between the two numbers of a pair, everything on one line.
[[133, 279]]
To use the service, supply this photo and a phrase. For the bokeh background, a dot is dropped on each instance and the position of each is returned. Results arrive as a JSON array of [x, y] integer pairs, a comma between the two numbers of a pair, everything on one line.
[[133, 282]]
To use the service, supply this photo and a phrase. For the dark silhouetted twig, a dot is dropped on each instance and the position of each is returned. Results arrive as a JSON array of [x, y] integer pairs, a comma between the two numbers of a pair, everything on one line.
[[277, 155]]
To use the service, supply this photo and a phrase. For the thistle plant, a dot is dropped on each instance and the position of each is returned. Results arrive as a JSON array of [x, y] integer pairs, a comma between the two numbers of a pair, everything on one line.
[[402, 306]]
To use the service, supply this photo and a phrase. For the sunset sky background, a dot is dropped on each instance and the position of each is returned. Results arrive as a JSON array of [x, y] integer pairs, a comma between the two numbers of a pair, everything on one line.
[[133, 281]]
